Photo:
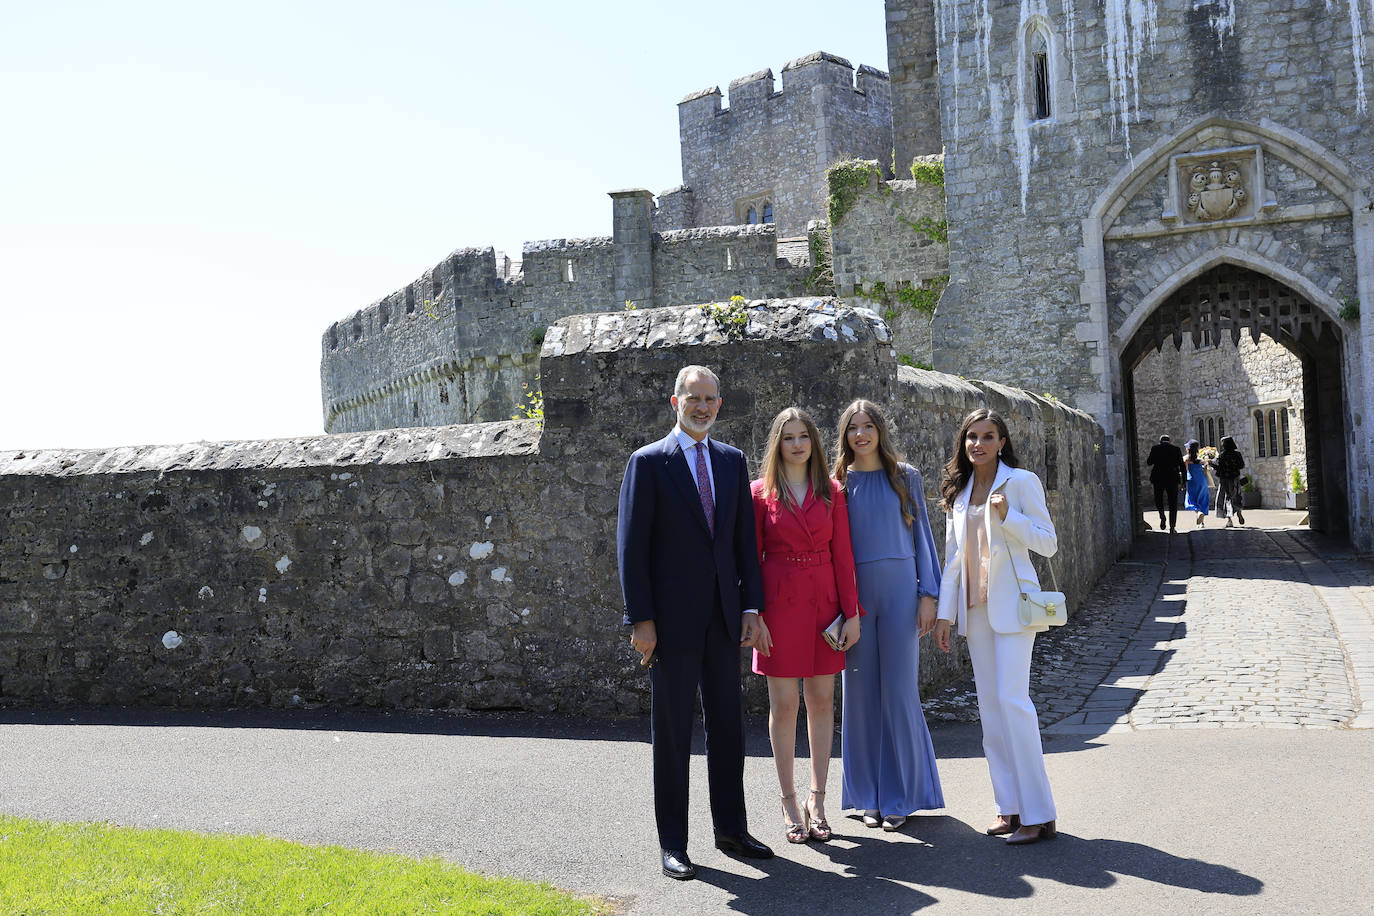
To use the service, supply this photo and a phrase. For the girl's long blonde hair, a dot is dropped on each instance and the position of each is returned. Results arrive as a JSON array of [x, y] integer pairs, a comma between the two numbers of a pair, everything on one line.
[[817, 468], [887, 453]]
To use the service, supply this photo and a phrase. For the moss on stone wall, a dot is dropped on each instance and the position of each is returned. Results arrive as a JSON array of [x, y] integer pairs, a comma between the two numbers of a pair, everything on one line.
[[847, 180]]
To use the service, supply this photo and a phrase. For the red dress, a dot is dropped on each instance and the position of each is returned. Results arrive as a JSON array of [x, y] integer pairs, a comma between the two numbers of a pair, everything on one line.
[[808, 578]]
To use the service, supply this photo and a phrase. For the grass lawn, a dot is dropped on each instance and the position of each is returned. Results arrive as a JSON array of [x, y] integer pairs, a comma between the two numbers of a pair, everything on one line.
[[48, 868]]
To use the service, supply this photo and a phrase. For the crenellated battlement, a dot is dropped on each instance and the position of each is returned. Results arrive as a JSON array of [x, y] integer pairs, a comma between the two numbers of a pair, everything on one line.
[[801, 75], [825, 111], [460, 342]]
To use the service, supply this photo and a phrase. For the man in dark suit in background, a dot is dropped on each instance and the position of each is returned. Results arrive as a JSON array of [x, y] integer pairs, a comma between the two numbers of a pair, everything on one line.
[[1166, 470], [690, 575]]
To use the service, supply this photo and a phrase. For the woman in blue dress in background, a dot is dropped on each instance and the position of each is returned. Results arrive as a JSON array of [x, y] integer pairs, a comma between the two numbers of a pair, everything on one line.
[[889, 763], [1198, 497]]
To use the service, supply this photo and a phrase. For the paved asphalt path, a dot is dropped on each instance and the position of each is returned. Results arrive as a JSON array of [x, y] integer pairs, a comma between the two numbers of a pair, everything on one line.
[[1263, 819], [1220, 821]]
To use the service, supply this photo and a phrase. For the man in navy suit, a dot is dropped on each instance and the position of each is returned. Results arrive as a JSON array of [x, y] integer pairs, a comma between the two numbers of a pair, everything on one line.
[[1166, 469], [690, 575]]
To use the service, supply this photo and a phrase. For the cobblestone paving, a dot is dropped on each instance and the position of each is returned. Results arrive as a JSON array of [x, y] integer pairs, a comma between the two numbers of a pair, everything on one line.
[[1262, 626]]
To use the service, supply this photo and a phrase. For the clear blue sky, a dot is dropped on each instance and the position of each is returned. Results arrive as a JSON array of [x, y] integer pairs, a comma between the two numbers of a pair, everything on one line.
[[191, 194]]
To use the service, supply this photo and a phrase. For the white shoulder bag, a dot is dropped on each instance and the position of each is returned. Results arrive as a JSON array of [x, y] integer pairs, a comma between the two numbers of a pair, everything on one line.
[[1038, 610]]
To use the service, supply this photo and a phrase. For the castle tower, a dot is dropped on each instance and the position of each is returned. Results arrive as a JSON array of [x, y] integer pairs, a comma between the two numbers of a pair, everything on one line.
[[632, 236], [915, 80]]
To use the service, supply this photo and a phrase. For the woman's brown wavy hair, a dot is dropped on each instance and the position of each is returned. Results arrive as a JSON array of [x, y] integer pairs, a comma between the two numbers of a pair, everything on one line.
[[959, 469]]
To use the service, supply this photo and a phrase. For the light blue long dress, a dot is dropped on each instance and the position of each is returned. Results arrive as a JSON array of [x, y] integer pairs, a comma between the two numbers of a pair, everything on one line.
[[889, 762], [1197, 498]]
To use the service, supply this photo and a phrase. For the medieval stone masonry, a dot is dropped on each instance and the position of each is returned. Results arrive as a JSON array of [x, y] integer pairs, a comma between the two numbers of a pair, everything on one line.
[[1119, 172], [455, 567], [1133, 218]]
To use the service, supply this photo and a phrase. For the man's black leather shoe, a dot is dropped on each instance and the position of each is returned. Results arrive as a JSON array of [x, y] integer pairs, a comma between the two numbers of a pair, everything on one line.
[[743, 845], [677, 865]]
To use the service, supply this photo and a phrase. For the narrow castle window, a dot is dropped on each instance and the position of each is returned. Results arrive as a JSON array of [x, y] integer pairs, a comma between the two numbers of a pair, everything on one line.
[[1038, 78], [1259, 433], [1283, 422], [1273, 435], [751, 216], [729, 259], [1211, 432], [1040, 62], [768, 211], [1200, 436], [567, 270]]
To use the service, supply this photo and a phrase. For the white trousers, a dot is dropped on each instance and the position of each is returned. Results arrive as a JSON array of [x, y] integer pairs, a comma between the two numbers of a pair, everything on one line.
[[1011, 730]]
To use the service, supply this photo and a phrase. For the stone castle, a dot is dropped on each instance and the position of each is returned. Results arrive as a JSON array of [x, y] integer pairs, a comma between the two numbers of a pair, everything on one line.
[[1144, 216], [1115, 179]]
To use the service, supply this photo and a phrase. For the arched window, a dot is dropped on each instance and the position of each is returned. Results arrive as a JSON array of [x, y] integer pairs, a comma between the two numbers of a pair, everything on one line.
[[1200, 437], [1283, 424], [751, 216], [1039, 76], [1221, 427], [1259, 434], [1273, 435], [767, 211], [1211, 432]]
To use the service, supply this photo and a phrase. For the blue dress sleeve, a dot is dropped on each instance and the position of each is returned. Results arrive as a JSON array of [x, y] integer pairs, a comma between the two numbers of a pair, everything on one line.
[[927, 558]]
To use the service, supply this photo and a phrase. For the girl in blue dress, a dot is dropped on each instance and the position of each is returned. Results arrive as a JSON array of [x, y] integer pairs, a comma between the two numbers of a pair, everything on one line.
[[1198, 497], [889, 763]]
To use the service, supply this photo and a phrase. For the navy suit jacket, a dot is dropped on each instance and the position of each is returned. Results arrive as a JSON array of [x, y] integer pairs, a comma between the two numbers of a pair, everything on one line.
[[1166, 464], [672, 570]]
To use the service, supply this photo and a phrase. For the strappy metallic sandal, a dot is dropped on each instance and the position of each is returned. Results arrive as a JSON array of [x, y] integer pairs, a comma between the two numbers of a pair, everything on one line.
[[796, 833], [820, 829]]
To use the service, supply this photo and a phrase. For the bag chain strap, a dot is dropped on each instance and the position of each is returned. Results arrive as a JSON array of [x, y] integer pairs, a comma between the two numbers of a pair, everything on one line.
[[1054, 580]]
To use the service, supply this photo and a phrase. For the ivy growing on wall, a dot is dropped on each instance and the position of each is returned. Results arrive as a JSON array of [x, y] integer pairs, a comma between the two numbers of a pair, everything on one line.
[[929, 170], [821, 280], [922, 298], [732, 318], [937, 229], [846, 181]]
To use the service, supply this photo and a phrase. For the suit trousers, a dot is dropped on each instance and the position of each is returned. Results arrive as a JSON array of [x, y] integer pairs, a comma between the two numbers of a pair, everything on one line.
[[1167, 494], [714, 667], [1011, 729]]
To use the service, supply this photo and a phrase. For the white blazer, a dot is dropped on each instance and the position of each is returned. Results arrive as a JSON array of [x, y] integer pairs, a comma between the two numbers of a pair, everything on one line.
[[1027, 527]]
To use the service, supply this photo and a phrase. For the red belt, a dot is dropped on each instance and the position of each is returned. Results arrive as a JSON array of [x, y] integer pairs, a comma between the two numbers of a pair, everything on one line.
[[813, 558]]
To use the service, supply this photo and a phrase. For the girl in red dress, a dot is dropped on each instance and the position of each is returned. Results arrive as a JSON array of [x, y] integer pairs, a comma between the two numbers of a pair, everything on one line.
[[802, 529]]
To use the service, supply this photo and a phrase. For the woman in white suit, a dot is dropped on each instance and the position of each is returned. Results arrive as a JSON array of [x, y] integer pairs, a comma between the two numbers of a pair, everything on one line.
[[996, 515]]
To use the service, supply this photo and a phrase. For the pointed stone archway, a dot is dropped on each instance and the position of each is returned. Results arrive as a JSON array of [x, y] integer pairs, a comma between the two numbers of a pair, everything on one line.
[[1308, 233], [1229, 301]]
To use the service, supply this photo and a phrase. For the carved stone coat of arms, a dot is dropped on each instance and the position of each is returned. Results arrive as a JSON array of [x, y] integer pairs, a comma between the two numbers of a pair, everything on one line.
[[1216, 190]]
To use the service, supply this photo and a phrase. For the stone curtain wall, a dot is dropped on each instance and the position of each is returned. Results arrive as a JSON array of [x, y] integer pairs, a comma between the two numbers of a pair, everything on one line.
[[1230, 382], [466, 567], [777, 145], [464, 357], [888, 240]]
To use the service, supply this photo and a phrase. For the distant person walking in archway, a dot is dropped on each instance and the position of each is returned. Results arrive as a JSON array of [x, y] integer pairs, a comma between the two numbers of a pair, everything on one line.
[[1166, 470], [1198, 497], [1229, 498]]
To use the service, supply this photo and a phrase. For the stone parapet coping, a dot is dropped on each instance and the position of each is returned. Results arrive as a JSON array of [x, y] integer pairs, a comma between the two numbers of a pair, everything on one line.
[[391, 446]]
